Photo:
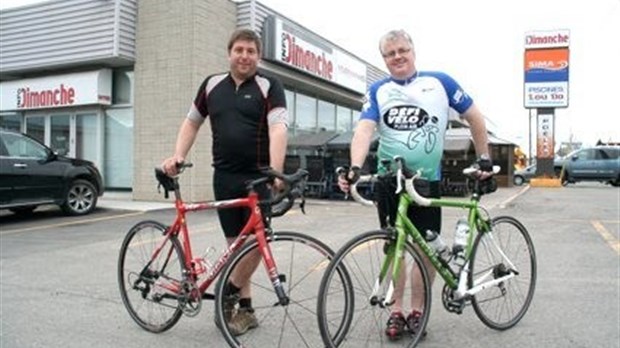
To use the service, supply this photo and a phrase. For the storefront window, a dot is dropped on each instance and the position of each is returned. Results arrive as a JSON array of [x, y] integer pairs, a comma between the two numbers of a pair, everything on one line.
[[86, 137], [327, 116], [290, 106], [343, 119], [11, 121], [355, 117], [118, 158], [35, 127], [305, 114]]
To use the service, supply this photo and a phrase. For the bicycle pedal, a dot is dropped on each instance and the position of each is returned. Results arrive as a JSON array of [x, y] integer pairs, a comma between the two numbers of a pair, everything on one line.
[[208, 296]]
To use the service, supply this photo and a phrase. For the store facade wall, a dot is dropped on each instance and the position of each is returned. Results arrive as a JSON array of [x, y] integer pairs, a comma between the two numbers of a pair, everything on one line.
[[73, 93], [155, 55]]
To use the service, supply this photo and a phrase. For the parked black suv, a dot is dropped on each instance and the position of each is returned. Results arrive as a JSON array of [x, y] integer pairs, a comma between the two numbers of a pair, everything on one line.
[[31, 174]]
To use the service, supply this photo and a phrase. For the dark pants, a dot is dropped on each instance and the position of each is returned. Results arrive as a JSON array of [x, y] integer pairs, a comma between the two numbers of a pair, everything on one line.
[[424, 218], [228, 185]]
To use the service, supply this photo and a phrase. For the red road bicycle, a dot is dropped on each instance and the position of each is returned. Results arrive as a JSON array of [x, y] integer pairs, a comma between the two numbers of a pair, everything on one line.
[[160, 279]]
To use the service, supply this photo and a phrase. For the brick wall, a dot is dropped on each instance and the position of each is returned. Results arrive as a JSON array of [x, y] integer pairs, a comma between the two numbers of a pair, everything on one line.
[[179, 43]]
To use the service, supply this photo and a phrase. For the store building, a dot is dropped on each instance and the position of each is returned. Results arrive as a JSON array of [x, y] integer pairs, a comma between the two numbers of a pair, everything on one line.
[[111, 81]]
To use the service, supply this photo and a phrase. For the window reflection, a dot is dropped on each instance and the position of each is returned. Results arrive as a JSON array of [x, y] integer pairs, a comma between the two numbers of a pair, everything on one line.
[[118, 157], [355, 116], [35, 127], [305, 114], [327, 119], [11, 122], [308, 114], [343, 119], [86, 137], [290, 105]]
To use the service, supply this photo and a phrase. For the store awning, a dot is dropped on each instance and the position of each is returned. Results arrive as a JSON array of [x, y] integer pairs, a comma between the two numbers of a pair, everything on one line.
[[311, 140]]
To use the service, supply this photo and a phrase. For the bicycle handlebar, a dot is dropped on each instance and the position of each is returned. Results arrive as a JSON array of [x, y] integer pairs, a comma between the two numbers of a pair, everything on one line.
[[294, 188], [403, 174]]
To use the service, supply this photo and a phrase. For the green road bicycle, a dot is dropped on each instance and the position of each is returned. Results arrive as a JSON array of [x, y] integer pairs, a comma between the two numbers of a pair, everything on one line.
[[497, 275]]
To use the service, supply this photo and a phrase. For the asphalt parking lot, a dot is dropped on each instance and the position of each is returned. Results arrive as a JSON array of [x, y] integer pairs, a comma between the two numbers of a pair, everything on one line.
[[58, 274]]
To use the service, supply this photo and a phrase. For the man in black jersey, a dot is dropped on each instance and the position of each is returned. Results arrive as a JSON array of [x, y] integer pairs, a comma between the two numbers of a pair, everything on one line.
[[249, 120]]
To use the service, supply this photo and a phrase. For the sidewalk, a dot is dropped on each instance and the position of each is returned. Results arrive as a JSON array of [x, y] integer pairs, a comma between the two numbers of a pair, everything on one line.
[[124, 201]]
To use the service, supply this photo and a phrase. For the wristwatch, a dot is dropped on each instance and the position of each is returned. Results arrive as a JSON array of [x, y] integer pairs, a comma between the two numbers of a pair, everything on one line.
[[484, 157]]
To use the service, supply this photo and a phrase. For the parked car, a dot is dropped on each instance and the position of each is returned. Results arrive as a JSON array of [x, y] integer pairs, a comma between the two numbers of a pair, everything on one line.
[[31, 174], [524, 175], [599, 163]]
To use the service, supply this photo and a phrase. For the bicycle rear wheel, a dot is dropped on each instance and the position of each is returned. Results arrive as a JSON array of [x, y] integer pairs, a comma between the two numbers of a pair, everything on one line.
[[301, 261], [351, 314], [150, 294], [501, 307]]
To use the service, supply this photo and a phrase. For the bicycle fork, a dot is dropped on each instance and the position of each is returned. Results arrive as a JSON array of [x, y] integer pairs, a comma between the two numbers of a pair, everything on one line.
[[393, 258], [277, 279]]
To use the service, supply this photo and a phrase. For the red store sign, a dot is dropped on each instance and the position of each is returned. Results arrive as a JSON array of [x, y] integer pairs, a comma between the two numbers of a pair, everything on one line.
[[85, 88], [61, 96], [306, 58]]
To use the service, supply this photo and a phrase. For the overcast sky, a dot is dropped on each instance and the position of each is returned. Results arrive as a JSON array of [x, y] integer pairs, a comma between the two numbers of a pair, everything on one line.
[[480, 43]]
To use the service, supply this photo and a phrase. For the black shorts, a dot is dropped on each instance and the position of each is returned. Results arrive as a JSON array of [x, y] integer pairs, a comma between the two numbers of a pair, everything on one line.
[[424, 218], [228, 185]]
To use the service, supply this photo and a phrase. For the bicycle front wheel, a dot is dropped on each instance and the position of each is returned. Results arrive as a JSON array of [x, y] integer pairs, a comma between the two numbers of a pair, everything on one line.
[[150, 294], [506, 249], [301, 261], [353, 314]]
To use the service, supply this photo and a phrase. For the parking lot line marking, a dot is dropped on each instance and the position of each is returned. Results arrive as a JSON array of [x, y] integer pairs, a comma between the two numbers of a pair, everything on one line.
[[503, 204], [608, 237], [19, 230]]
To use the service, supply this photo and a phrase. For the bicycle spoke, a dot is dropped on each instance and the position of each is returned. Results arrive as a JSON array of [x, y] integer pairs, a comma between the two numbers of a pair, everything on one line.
[[363, 258], [506, 249], [152, 305], [299, 258]]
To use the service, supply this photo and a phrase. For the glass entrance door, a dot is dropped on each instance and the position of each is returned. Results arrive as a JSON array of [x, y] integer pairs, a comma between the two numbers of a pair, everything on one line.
[[60, 135]]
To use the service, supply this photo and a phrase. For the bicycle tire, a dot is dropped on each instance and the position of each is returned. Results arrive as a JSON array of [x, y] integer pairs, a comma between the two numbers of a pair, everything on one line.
[[300, 259], [503, 306], [358, 322], [151, 306]]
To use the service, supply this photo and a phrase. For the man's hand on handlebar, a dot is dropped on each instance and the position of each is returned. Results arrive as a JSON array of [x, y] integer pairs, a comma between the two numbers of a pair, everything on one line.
[[278, 185], [347, 177], [170, 165], [485, 168]]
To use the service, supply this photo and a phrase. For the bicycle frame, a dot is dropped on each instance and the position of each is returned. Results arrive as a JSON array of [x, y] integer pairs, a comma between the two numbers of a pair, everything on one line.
[[254, 226], [405, 228], [478, 223]]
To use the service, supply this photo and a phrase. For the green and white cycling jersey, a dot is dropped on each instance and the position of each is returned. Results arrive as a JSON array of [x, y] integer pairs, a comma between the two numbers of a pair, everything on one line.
[[412, 116]]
